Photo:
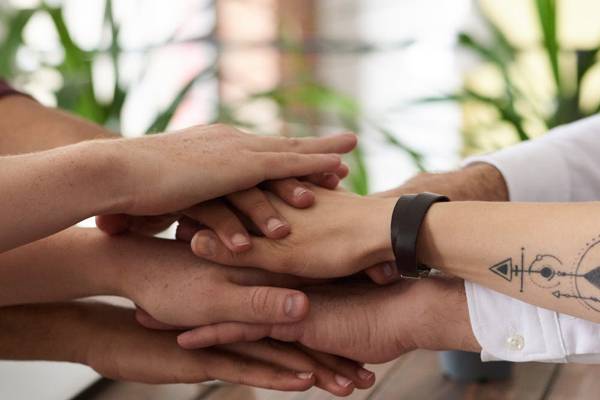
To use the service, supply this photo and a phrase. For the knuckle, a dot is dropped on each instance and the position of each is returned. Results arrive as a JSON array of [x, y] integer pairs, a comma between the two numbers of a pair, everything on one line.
[[261, 301], [243, 372], [259, 206]]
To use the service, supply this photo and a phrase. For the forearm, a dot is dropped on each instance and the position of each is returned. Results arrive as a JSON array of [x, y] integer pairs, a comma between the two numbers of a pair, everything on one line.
[[33, 127], [72, 264], [543, 254], [481, 182], [51, 332], [43, 193]]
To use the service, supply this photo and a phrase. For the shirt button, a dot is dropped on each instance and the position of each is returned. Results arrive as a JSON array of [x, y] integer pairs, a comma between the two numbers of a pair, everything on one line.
[[515, 342]]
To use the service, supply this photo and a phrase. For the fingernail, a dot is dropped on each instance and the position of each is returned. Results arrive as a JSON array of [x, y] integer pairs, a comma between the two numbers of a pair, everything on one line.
[[304, 375], [388, 270], [274, 224], [365, 374], [240, 240], [342, 381], [205, 245], [293, 305], [300, 191]]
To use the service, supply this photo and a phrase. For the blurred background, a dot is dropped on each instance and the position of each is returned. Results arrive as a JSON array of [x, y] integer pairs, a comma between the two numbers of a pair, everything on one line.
[[423, 82]]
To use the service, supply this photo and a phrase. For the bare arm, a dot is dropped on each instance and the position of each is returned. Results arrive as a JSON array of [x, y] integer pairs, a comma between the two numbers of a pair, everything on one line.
[[541, 253], [550, 248], [108, 339], [33, 127], [48, 191], [45, 192], [160, 276]]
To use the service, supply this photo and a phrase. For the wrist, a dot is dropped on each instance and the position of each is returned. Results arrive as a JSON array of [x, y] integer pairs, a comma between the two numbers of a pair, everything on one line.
[[431, 233], [376, 230], [52, 332], [104, 169], [101, 264], [440, 314], [482, 182]]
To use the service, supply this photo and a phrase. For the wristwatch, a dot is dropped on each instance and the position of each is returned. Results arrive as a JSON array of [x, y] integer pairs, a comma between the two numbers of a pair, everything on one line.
[[407, 218]]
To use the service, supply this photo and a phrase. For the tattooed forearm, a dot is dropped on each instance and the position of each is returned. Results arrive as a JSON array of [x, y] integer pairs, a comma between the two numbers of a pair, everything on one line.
[[576, 281]]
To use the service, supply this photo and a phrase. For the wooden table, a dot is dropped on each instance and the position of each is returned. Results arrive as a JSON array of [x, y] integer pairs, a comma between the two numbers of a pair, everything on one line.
[[413, 376]]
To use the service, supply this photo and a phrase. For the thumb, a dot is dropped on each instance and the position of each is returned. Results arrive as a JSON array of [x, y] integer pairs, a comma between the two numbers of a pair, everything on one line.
[[263, 304]]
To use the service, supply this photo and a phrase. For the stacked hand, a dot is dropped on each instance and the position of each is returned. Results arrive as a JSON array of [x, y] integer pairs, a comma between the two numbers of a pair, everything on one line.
[[260, 211], [363, 322], [338, 236]]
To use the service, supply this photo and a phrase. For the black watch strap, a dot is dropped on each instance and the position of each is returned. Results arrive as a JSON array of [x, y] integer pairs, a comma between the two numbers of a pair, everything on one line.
[[407, 218]]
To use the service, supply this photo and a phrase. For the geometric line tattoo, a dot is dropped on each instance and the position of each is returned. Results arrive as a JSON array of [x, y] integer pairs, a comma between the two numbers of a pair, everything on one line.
[[580, 281]]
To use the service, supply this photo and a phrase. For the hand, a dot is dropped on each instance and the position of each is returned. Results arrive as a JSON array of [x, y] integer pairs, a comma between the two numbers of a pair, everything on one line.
[[365, 322], [218, 215], [340, 235], [171, 172], [165, 279], [118, 348]]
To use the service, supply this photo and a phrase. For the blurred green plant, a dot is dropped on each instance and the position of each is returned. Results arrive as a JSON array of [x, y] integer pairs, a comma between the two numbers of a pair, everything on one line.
[[516, 106], [77, 92]]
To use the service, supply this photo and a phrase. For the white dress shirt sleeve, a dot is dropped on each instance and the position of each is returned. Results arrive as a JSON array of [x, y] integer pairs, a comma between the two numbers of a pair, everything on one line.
[[563, 165]]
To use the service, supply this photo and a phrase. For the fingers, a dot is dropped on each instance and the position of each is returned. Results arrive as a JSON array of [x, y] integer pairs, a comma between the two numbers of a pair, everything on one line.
[[330, 180], [235, 332], [230, 367], [113, 224], [284, 165], [264, 254], [293, 358], [383, 273], [340, 144], [262, 304], [256, 205], [292, 191], [299, 195], [347, 370], [218, 217], [223, 333]]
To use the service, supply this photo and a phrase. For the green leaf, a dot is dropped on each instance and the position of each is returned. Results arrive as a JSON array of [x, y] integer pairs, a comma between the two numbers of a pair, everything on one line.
[[311, 95], [78, 93], [15, 23], [546, 11], [114, 110], [162, 121], [504, 108], [415, 156], [358, 180]]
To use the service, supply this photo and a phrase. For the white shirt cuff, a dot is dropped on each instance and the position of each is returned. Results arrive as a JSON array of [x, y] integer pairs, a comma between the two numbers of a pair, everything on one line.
[[508, 329]]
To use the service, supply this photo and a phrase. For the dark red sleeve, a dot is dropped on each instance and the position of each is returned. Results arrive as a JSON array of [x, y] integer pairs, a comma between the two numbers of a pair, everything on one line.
[[7, 90]]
